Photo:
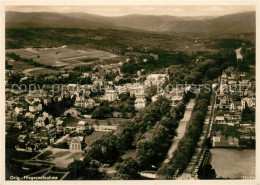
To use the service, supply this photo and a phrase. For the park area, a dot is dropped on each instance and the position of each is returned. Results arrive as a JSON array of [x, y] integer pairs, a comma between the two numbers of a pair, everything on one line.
[[62, 56], [60, 157]]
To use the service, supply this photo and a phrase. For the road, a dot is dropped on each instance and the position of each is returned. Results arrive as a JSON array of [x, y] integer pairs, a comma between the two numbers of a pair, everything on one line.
[[63, 137], [197, 158], [27, 71], [181, 129]]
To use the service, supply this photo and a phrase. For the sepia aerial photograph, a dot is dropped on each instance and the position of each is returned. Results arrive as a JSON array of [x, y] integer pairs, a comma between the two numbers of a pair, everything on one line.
[[130, 92]]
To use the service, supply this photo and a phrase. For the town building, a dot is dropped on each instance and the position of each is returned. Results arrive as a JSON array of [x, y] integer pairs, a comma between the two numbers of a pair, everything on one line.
[[75, 145], [155, 79], [111, 95], [140, 103]]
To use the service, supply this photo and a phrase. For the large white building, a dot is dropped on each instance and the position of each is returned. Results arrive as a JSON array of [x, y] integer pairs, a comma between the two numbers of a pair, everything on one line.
[[140, 103], [111, 95], [81, 126], [135, 88], [154, 79]]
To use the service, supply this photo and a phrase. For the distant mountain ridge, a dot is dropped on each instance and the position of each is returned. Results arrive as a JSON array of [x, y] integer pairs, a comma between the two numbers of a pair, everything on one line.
[[233, 23]]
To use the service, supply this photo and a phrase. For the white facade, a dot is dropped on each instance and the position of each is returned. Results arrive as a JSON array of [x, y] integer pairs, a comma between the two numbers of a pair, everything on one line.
[[75, 145], [154, 79], [140, 103], [111, 95]]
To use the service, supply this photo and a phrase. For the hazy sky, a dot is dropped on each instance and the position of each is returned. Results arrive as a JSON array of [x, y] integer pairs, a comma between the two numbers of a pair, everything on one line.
[[176, 10]]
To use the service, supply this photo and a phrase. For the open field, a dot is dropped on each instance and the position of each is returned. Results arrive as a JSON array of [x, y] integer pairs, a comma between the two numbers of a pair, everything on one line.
[[130, 153], [62, 56], [93, 137], [43, 71], [71, 122]]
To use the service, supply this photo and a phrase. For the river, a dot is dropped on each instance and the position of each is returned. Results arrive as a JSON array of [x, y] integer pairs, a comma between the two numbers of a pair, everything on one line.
[[232, 163], [181, 129]]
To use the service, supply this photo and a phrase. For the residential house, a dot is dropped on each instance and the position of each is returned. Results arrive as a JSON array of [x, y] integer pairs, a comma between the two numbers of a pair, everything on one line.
[[50, 77], [235, 105], [120, 89], [64, 75], [36, 107], [219, 120], [81, 126], [140, 103], [59, 125], [135, 88], [85, 75], [104, 128], [19, 110], [250, 102], [41, 121], [46, 100], [111, 95], [48, 131], [220, 140], [30, 115]]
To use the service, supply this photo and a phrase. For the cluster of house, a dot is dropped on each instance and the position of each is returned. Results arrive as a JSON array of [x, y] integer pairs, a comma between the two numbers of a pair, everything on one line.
[[236, 93], [135, 89], [46, 129]]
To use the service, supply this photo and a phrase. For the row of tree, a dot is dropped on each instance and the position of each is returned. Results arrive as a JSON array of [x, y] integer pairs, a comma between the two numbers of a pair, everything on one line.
[[152, 146], [197, 72], [248, 59], [163, 60], [188, 143]]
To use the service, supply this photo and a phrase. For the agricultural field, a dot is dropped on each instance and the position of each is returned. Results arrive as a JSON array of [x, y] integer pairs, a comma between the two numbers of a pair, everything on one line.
[[19, 67], [62, 56]]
